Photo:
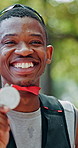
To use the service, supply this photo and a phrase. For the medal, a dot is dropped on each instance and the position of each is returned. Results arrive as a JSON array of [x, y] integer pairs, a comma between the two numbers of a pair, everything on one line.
[[9, 97]]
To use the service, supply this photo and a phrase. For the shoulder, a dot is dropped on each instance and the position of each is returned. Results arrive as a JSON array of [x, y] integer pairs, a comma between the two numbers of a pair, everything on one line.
[[67, 105], [72, 112]]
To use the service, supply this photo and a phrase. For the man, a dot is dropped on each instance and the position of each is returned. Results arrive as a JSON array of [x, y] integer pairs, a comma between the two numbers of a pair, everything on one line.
[[37, 121]]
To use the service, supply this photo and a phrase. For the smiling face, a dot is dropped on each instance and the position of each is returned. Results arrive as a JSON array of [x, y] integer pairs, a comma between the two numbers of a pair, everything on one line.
[[23, 51]]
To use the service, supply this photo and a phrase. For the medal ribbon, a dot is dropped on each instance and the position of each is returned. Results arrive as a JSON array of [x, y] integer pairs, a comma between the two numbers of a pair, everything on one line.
[[32, 89]]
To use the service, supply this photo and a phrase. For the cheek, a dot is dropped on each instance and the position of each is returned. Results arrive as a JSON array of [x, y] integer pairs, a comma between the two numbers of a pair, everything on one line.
[[43, 59], [3, 63], [0, 63], [4, 58], [5, 52], [42, 55]]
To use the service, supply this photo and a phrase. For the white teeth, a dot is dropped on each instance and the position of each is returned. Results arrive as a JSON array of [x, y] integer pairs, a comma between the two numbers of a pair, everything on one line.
[[23, 65]]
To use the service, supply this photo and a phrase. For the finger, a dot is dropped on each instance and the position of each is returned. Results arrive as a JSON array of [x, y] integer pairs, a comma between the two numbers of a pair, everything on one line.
[[4, 109], [4, 128], [3, 116], [4, 122]]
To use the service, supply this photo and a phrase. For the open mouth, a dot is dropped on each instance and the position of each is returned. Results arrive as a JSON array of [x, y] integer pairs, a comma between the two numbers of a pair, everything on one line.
[[24, 65]]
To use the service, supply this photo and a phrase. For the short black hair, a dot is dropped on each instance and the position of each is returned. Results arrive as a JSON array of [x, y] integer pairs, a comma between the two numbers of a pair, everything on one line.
[[19, 10]]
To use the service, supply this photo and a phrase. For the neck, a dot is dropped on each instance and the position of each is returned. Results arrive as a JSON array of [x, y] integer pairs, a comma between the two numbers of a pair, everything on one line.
[[28, 102]]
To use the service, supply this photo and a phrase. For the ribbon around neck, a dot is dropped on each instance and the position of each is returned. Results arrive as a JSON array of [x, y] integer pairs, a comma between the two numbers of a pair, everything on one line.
[[32, 89]]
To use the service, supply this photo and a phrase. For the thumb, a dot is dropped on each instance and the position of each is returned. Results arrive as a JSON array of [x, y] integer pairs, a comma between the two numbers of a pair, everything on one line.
[[4, 109]]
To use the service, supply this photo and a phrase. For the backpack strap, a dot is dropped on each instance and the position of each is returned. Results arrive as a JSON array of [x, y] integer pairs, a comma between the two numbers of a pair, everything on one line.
[[70, 115], [56, 128]]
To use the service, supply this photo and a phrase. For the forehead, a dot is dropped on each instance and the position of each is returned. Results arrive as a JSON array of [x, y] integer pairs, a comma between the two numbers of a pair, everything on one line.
[[17, 24]]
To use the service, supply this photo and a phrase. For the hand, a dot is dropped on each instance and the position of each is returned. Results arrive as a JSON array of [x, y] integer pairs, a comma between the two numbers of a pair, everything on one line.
[[4, 127]]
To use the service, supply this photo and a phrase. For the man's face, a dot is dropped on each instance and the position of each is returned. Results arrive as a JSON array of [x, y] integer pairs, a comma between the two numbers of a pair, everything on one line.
[[23, 51]]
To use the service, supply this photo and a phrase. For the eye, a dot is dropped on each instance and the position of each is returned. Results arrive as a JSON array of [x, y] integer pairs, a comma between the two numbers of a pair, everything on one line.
[[35, 42], [9, 42]]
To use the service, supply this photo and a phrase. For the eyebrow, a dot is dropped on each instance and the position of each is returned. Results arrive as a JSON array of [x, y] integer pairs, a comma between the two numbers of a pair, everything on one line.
[[37, 35], [6, 35], [34, 35]]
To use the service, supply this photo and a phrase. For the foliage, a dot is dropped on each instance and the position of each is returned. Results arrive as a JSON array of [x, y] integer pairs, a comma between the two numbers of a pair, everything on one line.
[[63, 30]]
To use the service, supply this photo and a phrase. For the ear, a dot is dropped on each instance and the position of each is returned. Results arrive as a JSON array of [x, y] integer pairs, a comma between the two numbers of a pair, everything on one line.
[[49, 53]]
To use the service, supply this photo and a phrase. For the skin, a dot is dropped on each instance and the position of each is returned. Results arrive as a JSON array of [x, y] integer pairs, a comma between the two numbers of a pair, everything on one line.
[[22, 40]]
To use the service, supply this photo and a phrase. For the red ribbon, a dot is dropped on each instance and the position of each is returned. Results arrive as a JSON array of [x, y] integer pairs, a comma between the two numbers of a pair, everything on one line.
[[32, 89]]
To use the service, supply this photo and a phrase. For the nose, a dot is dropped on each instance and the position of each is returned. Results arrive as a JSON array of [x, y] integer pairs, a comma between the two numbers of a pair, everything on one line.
[[23, 50]]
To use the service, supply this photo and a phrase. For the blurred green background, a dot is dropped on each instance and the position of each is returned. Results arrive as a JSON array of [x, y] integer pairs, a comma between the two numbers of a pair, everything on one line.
[[61, 17]]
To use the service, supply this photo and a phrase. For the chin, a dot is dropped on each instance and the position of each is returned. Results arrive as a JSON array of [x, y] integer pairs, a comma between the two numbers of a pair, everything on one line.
[[24, 83]]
